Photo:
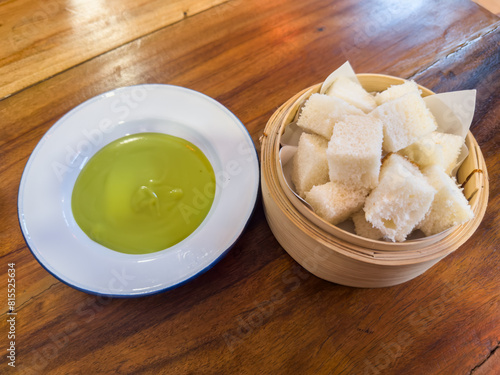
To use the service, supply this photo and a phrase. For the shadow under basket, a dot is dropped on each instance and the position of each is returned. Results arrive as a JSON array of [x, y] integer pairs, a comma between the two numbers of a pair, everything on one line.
[[339, 256]]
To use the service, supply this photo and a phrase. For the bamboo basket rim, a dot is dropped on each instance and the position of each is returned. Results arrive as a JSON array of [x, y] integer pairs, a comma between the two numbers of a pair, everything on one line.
[[349, 244]]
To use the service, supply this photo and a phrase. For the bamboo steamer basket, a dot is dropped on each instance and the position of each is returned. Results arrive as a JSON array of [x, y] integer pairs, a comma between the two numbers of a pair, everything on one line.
[[337, 255]]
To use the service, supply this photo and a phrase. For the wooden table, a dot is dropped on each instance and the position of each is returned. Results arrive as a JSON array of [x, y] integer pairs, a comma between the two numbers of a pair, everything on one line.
[[256, 311]]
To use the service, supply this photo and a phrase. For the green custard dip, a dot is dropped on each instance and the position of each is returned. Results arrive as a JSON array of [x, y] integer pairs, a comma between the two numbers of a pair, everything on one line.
[[143, 193]]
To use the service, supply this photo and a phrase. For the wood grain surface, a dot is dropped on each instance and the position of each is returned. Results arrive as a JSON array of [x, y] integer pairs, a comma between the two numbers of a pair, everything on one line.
[[256, 311], [46, 38], [492, 5]]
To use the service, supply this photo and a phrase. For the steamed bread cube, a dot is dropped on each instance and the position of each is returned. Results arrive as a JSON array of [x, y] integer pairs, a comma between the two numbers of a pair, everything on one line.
[[321, 112], [435, 148], [424, 152], [353, 93], [364, 228], [335, 202], [396, 91], [354, 151], [406, 119], [400, 200], [310, 166], [451, 144], [449, 208]]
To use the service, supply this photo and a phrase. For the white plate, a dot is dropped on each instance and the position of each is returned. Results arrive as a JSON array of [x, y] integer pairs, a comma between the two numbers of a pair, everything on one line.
[[44, 202]]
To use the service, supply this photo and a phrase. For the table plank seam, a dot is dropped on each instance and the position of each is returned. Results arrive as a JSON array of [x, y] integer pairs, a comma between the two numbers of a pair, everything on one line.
[[13, 251], [18, 308], [456, 49], [113, 49], [478, 366]]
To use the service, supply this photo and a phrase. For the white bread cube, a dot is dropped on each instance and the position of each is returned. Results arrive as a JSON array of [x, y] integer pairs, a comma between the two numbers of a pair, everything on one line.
[[353, 93], [452, 145], [355, 150], [396, 91], [321, 112], [335, 202], [406, 119], [400, 200], [449, 208], [424, 152], [310, 166], [365, 229], [435, 148]]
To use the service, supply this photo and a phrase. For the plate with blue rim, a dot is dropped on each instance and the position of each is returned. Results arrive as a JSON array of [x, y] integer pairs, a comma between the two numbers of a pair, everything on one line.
[[44, 201]]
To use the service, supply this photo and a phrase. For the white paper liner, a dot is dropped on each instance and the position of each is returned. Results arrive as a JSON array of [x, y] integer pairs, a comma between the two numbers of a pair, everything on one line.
[[453, 112]]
